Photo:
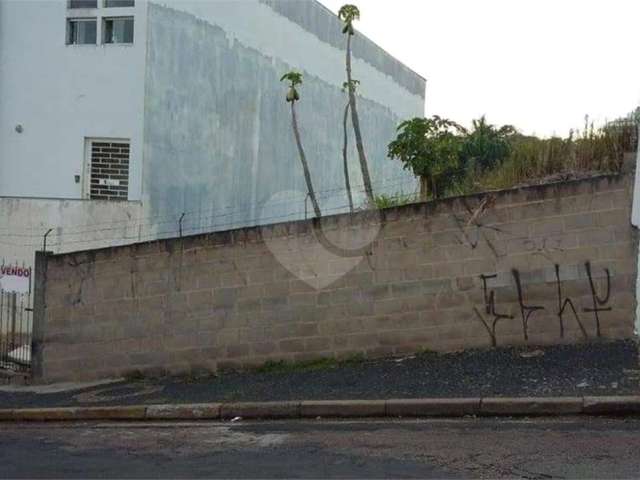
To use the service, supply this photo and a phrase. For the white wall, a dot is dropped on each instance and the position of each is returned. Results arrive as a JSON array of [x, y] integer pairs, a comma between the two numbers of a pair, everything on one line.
[[62, 94], [76, 224], [23, 222], [255, 25], [218, 140]]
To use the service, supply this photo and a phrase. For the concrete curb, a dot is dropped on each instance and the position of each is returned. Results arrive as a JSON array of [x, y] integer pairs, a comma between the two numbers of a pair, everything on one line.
[[425, 407]]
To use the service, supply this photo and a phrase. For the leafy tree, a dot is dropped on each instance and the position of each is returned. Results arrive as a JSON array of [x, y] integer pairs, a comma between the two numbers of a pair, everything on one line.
[[348, 14], [486, 146], [345, 145], [295, 80], [430, 148]]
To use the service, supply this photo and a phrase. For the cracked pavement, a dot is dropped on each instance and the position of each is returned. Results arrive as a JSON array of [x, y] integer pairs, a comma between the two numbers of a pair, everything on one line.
[[538, 448]]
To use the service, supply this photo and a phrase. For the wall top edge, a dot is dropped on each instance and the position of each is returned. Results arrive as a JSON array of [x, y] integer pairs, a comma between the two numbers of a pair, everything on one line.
[[256, 234]]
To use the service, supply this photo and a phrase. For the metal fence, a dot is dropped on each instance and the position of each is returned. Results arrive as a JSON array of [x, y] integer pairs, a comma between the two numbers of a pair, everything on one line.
[[16, 323]]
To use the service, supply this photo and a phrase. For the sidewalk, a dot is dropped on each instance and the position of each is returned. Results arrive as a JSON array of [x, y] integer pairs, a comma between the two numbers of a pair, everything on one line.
[[599, 369]]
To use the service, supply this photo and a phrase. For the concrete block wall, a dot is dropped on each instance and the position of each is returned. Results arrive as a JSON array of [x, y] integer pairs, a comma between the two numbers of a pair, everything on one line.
[[539, 265]]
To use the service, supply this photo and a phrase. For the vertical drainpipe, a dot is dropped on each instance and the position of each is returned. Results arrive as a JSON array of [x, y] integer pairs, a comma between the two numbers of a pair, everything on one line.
[[635, 221]]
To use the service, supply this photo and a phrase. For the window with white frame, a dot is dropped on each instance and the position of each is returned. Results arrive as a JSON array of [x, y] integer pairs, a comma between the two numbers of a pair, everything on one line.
[[81, 31], [117, 30], [108, 22]]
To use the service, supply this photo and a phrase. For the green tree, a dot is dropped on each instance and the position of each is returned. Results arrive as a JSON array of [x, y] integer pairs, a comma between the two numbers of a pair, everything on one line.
[[295, 80], [345, 144], [430, 148], [348, 14], [486, 146]]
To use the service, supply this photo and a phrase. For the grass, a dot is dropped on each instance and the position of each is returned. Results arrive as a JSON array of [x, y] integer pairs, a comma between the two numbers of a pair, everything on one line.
[[281, 366], [425, 352], [590, 151], [320, 364], [533, 160], [388, 201], [134, 376]]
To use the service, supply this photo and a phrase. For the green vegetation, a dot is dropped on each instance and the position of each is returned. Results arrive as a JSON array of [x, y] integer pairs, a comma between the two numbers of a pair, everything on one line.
[[453, 161], [486, 146], [430, 148], [310, 365], [450, 160], [134, 376], [345, 142], [590, 151], [295, 80], [348, 14], [388, 201]]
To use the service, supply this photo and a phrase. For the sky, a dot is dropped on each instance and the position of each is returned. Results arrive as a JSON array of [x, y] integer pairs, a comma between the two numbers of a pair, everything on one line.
[[540, 65]]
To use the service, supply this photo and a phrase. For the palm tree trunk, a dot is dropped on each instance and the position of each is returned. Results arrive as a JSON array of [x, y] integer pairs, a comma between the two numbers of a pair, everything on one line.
[[366, 178], [303, 160], [424, 188], [345, 157]]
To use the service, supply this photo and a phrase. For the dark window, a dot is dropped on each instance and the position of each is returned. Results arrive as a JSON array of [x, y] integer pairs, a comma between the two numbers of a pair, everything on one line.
[[119, 3], [109, 170], [83, 4], [81, 31], [118, 30]]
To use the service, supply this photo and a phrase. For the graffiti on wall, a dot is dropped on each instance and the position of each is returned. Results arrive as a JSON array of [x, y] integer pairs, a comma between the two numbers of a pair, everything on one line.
[[566, 306], [490, 309]]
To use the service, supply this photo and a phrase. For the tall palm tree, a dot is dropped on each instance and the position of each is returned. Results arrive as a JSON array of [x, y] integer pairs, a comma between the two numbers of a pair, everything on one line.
[[295, 79], [348, 14], [345, 146]]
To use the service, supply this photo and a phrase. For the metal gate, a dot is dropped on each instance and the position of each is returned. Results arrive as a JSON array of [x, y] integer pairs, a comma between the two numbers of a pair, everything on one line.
[[16, 324]]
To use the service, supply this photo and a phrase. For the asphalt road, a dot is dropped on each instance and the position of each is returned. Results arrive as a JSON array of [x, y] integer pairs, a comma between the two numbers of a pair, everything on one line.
[[469, 448]]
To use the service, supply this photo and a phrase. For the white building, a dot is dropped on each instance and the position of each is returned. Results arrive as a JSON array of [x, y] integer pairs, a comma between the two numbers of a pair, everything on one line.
[[118, 116]]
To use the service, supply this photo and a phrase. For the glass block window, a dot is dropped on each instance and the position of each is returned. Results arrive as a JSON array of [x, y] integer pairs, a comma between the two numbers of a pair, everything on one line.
[[109, 170]]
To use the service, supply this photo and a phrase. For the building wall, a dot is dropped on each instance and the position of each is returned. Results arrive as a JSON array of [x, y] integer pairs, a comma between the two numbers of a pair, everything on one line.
[[218, 139], [433, 276], [635, 220], [60, 95], [316, 19], [24, 221]]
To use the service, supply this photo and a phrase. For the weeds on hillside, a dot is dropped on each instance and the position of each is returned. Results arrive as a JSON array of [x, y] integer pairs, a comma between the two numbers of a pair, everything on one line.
[[590, 151], [533, 160]]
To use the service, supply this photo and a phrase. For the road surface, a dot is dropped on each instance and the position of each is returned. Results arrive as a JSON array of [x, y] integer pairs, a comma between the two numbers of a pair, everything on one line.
[[467, 448]]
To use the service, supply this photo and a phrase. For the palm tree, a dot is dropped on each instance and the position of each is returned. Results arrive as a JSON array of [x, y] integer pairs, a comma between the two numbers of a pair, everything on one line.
[[348, 14], [345, 147], [295, 79]]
